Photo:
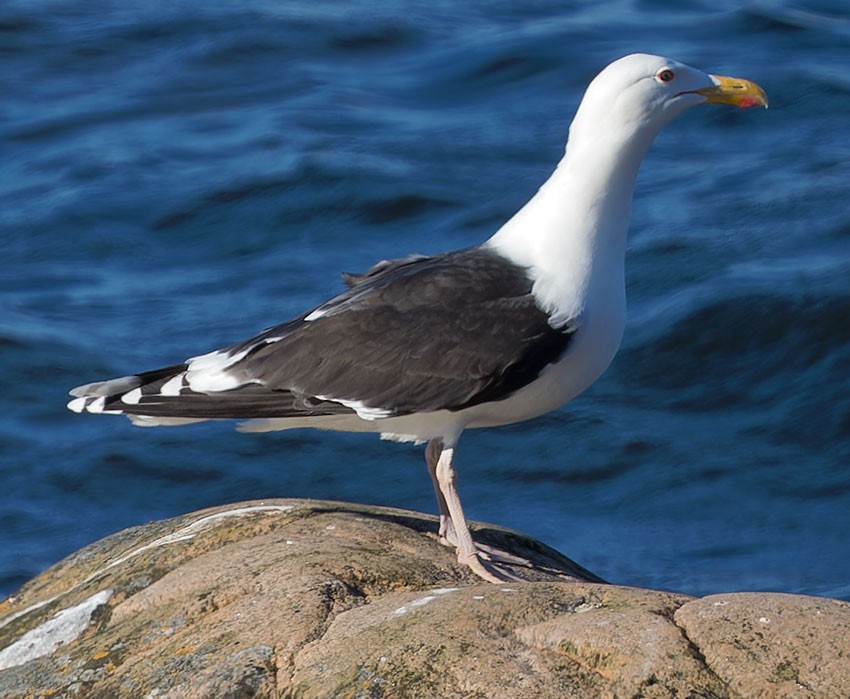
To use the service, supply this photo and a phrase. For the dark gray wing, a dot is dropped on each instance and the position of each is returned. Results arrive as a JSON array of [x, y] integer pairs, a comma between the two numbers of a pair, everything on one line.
[[412, 335]]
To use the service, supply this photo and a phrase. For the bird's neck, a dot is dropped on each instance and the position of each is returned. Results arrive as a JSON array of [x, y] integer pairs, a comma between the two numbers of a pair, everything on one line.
[[573, 231]]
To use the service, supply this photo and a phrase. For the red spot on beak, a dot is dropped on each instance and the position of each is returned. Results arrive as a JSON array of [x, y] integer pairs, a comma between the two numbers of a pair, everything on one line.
[[747, 101]]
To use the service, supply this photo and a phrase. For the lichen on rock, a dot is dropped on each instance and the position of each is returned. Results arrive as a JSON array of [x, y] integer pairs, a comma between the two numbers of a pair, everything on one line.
[[308, 599]]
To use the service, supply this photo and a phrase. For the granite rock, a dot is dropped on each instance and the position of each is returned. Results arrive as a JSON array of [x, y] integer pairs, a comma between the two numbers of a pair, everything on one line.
[[309, 599]]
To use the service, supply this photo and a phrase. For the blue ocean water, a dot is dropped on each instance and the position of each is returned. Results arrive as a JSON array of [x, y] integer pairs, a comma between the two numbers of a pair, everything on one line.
[[177, 175]]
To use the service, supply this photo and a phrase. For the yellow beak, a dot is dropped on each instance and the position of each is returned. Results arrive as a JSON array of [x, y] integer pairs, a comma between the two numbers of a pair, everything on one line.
[[736, 91]]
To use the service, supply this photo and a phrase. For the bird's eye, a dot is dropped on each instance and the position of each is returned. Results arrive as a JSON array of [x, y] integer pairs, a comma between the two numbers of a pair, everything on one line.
[[665, 75]]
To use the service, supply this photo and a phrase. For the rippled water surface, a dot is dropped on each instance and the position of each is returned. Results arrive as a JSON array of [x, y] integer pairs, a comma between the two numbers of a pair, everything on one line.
[[177, 175]]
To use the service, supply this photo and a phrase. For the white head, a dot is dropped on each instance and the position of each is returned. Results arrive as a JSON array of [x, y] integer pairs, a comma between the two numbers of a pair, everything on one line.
[[584, 207], [634, 97]]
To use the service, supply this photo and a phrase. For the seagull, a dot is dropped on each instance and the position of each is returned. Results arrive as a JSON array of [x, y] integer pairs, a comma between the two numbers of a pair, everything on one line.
[[421, 348]]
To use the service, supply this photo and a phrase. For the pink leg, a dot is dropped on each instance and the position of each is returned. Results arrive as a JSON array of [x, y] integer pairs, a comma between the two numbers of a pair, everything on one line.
[[447, 532], [453, 527]]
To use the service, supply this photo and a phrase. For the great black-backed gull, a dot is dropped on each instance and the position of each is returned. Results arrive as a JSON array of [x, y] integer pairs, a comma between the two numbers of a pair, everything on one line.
[[421, 348]]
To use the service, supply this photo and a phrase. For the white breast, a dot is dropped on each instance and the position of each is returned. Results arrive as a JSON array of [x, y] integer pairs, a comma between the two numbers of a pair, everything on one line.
[[589, 355]]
